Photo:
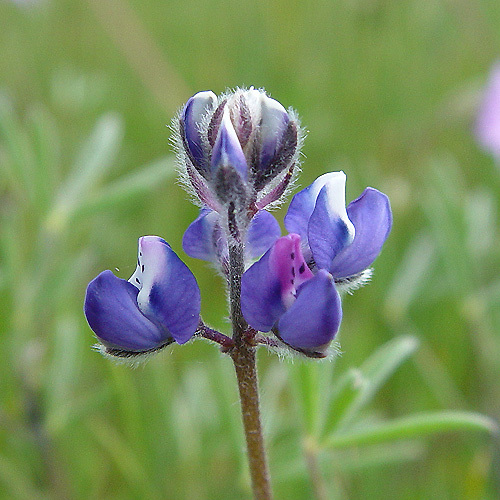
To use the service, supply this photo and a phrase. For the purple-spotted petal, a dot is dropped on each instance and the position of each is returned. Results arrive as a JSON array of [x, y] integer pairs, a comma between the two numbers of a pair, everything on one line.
[[114, 316], [372, 217], [263, 231], [314, 318], [192, 116], [227, 150], [487, 127], [204, 239], [269, 286], [329, 229], [303, 203], [169, 295]]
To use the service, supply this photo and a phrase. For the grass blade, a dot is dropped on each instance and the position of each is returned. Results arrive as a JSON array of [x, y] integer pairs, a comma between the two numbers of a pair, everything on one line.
[[414, 426], [375, 372]]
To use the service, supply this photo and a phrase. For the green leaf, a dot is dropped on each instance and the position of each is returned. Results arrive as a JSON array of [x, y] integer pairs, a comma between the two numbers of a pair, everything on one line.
[[128, 187], [373, 374], [96, 156], [18, 164], [443, 204], [46, 147], [16, 483], [411, 276], [340, 398], [93, 161], [63, 371], [377, 455], [419, 425], [124, 458], [308, 389]]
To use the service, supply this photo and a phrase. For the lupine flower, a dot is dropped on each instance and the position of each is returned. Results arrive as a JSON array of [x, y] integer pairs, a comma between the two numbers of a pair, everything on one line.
[[280, 293], [158, 305], [487, 127], [292, 289], [238, 153], [343, 241], [239, 149], [205, 238]]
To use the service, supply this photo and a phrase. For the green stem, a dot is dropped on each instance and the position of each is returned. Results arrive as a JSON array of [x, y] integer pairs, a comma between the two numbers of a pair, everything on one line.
[[317, 483], [243, 355]]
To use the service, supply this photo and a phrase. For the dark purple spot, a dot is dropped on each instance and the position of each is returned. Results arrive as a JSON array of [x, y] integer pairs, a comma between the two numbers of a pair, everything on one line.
[[138, 281], [293, 272], [302, 268], [292, 281], [292, 255], [142, 268]]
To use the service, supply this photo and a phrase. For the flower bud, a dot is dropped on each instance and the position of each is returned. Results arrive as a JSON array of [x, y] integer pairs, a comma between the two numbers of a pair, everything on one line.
[[195, 110], [239, 149]]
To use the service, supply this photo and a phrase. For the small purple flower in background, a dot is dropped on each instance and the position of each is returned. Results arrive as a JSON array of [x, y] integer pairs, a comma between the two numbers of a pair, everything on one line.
[[487, 126], [158, 305], [292, 289]]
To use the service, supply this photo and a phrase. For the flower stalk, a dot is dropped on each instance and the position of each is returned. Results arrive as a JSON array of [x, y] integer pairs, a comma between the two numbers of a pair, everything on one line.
[[244, 359], [246, 372]]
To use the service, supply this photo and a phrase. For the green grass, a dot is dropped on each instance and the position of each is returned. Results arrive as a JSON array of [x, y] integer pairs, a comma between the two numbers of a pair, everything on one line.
[[387, 92]]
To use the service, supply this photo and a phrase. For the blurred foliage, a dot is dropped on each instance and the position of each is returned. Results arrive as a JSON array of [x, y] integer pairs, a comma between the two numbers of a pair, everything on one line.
[[387, 92]]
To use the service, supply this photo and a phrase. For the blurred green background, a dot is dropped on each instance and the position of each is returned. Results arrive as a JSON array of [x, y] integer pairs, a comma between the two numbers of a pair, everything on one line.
[[387, 92]]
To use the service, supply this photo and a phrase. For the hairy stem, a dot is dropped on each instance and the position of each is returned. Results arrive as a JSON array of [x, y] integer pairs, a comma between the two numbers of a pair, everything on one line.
[[243, 355], [225, 342]]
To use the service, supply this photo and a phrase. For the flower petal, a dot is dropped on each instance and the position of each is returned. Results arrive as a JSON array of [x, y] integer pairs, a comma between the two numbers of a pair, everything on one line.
[[314, 318], [227, 149], [329, 229], [372, 217], [204, 239], [192, 117], [303, 203], [263, 231], [113, 314], [487, 127], [273, 123], [169, 294], [269, 286]]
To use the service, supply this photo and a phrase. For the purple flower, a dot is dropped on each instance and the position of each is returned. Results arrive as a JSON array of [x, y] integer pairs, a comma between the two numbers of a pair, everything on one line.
[[292, 289], [280, 293], [158, 305], [239, 148], [487, 127], [205, 239], [343, 241]]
